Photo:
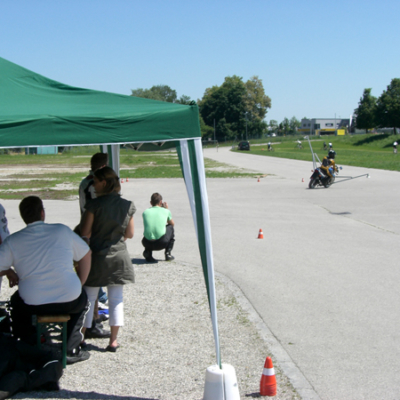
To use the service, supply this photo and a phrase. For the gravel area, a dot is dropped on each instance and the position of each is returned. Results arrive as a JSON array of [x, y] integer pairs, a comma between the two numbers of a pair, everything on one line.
[[167, 342]]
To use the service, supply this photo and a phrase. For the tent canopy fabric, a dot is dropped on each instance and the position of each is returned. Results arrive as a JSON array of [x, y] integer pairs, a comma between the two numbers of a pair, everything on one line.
[[37, 111]]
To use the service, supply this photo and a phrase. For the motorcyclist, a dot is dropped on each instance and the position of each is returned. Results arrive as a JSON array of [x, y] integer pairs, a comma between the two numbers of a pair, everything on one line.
[[328, 164]]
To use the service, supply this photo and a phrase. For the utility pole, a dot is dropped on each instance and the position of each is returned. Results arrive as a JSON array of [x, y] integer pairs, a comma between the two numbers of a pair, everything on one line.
[[214, 130], [335, 126], [246, 123]]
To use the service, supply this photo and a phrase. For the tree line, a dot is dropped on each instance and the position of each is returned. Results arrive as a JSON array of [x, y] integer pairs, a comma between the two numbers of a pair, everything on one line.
[[233, 109], [381, 112]]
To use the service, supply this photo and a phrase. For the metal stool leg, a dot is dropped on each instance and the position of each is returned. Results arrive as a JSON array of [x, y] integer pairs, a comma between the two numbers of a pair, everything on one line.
[[64, 344]]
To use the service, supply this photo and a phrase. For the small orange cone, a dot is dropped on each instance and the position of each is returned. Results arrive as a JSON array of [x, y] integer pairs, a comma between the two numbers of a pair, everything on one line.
[[127, 179], [302, 179], [260, 234], [122, 180], [258, 180], [268, 380]]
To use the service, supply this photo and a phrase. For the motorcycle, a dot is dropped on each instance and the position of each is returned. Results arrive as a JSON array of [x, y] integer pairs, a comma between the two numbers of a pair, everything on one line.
[[318, 178]]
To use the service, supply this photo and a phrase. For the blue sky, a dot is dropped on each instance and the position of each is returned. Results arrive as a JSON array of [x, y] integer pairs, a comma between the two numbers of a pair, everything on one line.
[[314, 57]]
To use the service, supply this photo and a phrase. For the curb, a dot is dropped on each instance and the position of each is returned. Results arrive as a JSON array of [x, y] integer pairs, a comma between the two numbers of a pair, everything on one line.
[[286, 364]]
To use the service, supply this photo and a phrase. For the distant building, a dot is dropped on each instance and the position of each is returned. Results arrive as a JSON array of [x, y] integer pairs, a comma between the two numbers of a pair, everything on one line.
[[42, 150], [324, 126]]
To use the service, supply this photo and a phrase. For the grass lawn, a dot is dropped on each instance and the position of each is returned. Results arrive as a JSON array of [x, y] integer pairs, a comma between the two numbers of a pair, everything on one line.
[[58, 176], [370, 151]]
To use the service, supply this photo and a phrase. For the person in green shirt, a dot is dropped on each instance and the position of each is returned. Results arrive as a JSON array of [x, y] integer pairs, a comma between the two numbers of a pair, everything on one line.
[[158, 229]]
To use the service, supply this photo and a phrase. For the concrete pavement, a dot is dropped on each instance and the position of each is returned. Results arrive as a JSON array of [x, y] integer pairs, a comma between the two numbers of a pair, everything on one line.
[[324, 279]]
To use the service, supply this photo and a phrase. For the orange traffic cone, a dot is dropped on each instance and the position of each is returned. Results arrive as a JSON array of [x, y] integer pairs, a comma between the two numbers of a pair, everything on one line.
[[127, 179], [258, 180], [122, 180], [268, 380], [302, 179], [260, 234]]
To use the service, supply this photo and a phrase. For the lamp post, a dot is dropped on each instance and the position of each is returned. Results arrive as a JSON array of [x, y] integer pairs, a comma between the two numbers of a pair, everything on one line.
[[245, 114]]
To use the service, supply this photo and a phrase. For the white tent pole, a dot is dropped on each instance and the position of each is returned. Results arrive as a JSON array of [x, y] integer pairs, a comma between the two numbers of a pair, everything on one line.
[[194, 173], [208, 242], [189, 181]]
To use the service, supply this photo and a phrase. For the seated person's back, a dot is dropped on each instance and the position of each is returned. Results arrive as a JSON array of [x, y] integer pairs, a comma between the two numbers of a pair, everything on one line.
[[43, 254]]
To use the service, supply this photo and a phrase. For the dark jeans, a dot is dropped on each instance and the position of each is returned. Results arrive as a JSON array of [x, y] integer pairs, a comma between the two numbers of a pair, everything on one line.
[[165, 242], [24, 367], [21, 315]]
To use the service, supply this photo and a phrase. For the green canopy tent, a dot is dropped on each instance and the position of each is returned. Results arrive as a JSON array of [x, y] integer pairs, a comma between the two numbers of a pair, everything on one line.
[[37, 111]]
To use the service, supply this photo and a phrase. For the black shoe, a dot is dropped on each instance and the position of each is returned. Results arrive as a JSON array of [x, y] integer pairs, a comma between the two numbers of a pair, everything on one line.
[[102, 318], [169, 257], [80, 355], [112, 349], [149, 257], [50, 387], [45, 378], [97, 333]]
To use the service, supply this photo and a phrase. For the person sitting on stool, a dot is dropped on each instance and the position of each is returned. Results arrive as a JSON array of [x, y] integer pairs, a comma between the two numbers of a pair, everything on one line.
[[42, 259], [158, 229]]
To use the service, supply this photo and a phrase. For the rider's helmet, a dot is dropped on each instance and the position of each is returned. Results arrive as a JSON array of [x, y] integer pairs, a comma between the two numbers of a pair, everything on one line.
[[331, 154]]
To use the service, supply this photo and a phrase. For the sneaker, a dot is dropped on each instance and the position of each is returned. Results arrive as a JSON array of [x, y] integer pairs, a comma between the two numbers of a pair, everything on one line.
[[169, 257], [103, 306], [81, 355], [97, 333]]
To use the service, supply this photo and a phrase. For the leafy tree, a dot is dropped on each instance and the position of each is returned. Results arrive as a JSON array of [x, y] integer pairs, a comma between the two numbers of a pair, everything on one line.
[[366, 111], [273, 124], [294, 124], [285, 126], [280, 129], [256, 104], [235, 105], [206, 131], [388, 106], [184, 100], [158, 92], [225, 105]]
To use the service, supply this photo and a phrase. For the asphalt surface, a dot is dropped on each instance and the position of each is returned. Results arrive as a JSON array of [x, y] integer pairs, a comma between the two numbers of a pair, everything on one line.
[[324, 278]]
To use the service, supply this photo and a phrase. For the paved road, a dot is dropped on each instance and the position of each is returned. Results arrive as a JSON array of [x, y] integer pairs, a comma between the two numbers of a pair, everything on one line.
[[325, 277]]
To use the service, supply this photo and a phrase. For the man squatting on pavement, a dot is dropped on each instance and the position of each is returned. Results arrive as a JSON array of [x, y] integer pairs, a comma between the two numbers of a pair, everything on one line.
[[158, 229], [42, 257], [87, 193]]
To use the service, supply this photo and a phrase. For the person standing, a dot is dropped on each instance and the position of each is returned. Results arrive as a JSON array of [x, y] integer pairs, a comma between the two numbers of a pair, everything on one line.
[[158, 229], [108, 223], [87, 193], [86, 189]]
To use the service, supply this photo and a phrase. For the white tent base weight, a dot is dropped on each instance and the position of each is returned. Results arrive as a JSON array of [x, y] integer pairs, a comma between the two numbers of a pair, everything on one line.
[[221, 384]]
